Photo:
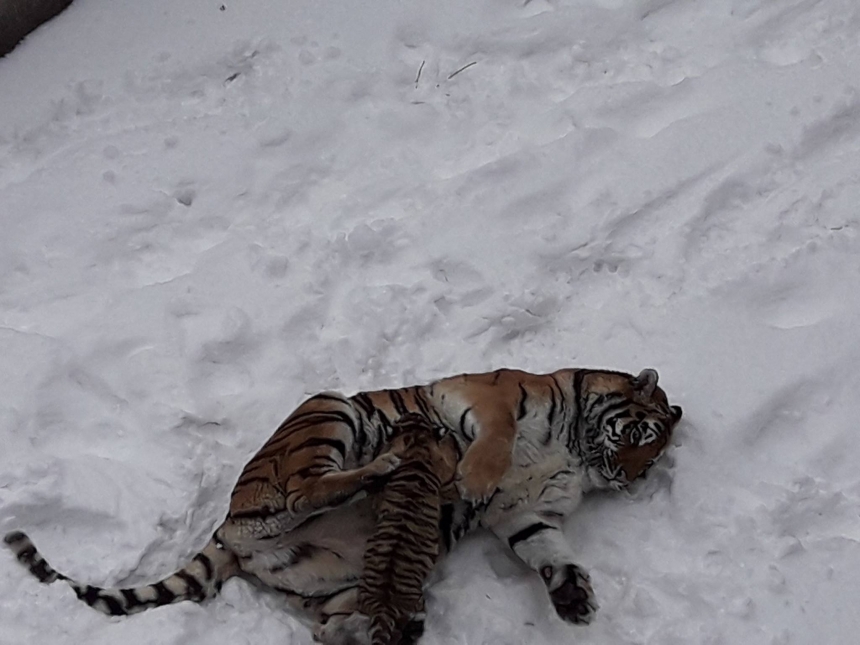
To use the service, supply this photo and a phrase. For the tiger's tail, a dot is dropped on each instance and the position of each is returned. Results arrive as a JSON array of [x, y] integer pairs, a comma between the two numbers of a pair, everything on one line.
[[197, 581]]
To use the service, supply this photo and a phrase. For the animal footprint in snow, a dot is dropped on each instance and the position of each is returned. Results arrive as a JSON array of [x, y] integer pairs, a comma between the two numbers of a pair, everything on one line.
[[185, 195]]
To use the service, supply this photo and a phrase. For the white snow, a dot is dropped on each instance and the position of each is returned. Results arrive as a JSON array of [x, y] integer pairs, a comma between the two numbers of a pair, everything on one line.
[[207, 215]]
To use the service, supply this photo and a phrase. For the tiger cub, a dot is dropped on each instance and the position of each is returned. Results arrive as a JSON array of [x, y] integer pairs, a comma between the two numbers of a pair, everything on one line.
[[405, 544], [403, 549]]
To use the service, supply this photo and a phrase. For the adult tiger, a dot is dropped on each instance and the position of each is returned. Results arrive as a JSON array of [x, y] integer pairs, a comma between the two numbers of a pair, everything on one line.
[[289, 527]]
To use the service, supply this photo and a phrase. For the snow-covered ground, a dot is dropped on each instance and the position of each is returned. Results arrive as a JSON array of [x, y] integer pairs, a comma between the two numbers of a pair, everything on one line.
[[208, 214]]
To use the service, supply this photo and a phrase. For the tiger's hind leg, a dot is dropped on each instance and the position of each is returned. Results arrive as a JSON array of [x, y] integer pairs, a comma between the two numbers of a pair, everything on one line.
[[308, 465], [334, 488]]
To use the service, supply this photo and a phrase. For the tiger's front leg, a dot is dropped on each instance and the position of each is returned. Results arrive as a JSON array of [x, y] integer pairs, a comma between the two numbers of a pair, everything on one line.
[[489, 457], [538, 541]]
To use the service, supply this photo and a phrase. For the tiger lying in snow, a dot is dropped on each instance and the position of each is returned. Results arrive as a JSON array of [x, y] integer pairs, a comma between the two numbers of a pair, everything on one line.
[[544, 439]]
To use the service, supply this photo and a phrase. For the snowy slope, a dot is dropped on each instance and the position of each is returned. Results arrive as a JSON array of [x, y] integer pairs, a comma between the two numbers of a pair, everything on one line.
[[207, 215]]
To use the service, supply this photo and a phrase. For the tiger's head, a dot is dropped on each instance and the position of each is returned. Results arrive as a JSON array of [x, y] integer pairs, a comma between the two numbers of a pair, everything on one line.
[[626, 426]]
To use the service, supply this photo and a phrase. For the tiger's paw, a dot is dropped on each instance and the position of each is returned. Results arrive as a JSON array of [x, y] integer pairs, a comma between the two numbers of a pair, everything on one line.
[[476, 481], [474, 492], [571, 593]]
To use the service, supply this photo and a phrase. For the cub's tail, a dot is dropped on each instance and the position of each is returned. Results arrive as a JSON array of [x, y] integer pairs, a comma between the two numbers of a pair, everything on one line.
[[197, 581]]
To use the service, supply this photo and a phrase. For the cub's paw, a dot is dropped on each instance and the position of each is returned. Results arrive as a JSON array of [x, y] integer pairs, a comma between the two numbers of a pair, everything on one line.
[[571, 593], [382, 465]]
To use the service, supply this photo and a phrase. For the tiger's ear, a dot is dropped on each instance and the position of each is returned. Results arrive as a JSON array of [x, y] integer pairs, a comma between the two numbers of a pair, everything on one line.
[[645, 382]]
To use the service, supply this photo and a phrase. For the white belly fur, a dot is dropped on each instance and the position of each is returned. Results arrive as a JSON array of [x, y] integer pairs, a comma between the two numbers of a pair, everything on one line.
[[317, 558]]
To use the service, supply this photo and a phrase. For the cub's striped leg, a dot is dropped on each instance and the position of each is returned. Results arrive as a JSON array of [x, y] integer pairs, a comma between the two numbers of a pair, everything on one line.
[[539, 542], [199, 580]]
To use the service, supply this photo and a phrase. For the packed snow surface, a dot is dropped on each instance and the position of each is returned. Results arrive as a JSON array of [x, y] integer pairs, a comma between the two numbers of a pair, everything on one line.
[[209, 212]]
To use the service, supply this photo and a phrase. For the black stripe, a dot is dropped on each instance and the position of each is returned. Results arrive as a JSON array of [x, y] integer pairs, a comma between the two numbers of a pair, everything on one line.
[[445, 521], [258, 513], [419, 395], [463, 422], [578, 409], [164, 596], [552, 404], [422, 405], [360, 438], [610, 421], [315, 442], [413, 475], [27, 554], [387, 431], [522, 407], [399, 403], [275, 444], [14, 537], [195, 589], [247, 480], [485, 505], [577, 387], [312, 471], [41, 570], [132, 600], [496, 376], [313, 417], [526, 533], [413, 422], [114, 606], [364, 401], [327, 458], [301, 552], [88, 594], [549, 482], [621, 404]]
